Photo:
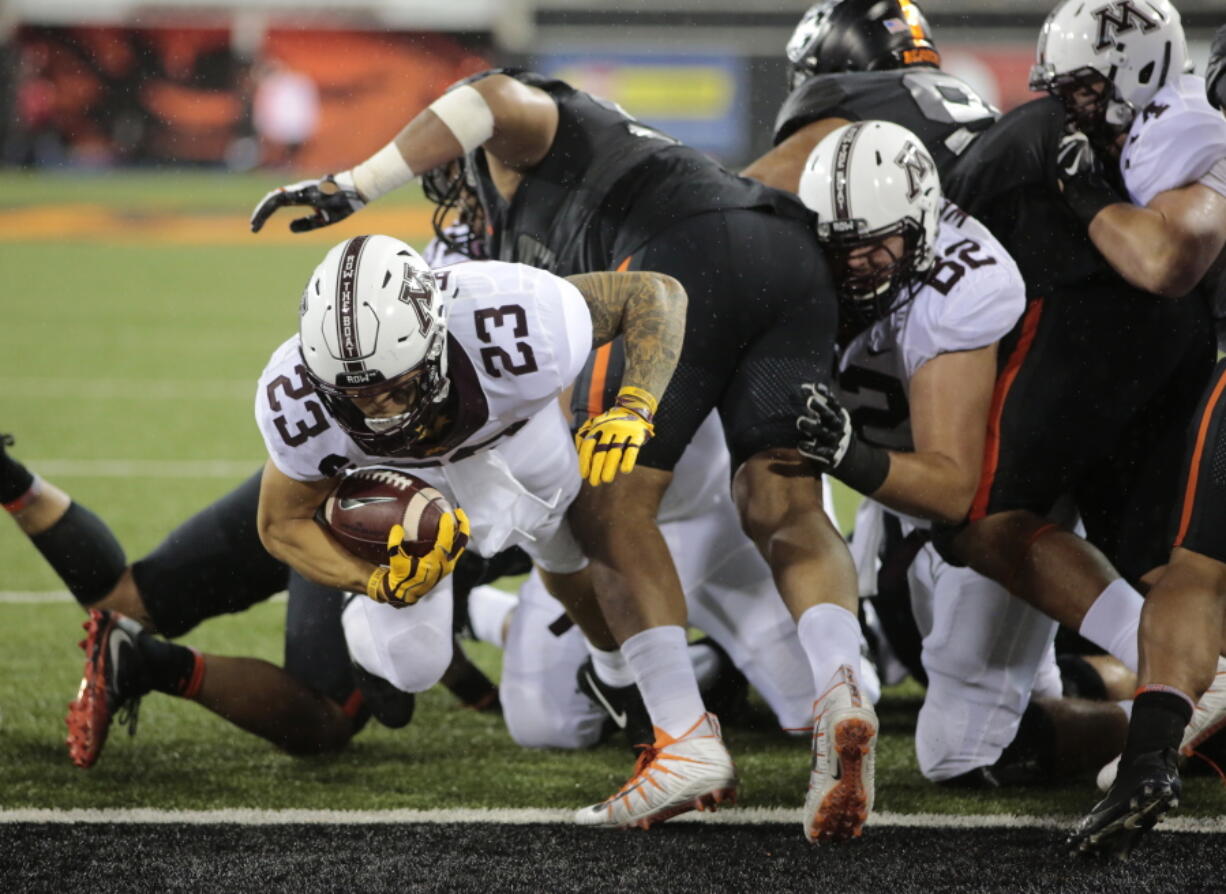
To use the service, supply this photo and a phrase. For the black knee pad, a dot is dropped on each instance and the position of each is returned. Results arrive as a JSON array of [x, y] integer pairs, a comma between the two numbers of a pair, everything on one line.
[[84, 553]]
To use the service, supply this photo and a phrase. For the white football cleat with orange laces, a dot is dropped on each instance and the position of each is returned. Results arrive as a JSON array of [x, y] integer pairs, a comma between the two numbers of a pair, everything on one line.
[[691, 772], [840, 795]]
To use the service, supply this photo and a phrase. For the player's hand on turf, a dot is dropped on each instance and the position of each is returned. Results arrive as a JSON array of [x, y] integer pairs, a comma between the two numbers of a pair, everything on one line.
[[333, 196], [1081, 178], [408, 578], [610, 443], [825, 428]]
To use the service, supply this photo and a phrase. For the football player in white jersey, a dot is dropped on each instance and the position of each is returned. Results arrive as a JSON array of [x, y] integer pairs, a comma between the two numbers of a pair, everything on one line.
[[729, 591], [926, 293], [1119, 72], [453, 375]]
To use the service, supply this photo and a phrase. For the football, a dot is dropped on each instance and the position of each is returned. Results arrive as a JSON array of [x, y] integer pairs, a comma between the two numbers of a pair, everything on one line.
[[364, 506]]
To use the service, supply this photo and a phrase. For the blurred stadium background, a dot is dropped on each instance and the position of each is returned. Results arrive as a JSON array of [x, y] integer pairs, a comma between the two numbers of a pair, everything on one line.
[[136, 311], [314, 84]]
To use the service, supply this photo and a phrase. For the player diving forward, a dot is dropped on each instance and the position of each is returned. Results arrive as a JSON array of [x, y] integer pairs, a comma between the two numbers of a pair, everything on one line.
[[571, 183], [1165, 237], [453, 375]]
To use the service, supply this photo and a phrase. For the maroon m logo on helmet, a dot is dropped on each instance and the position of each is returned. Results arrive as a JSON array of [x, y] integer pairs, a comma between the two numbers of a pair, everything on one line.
[[915, 165], [416, 293], [1115, 19]]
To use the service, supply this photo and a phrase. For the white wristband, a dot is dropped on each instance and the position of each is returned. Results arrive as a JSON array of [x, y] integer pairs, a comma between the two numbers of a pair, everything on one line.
[[467, 115], [381, 173]]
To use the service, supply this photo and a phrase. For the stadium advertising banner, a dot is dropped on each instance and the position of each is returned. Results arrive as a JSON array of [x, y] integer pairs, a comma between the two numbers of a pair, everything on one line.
[[701, 99]]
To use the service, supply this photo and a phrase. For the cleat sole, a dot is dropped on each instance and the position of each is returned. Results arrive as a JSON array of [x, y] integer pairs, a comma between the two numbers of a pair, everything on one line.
[[844, 810], [89, 716], [708, 802]]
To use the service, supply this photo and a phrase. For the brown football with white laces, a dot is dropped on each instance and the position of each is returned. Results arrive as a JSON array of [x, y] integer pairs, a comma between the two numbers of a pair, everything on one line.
[[362, 509]]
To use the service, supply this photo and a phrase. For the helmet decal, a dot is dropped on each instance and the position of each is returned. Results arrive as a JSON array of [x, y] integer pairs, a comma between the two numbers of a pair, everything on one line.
[[841, 181], [346, 305], [916, 165], [418, 294], [1120, 17]]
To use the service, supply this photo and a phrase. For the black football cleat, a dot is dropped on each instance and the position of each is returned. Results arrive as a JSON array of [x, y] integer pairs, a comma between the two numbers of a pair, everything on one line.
[[111, 687], [1143, 793], [623, 704], [390, 706]]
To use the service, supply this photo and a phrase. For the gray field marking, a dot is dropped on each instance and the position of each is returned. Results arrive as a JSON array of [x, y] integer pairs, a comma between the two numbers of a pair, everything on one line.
[[735, 816]]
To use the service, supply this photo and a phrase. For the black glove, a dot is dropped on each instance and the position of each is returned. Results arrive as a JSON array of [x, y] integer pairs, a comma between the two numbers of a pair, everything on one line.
[[334, 197], [1080, 175], [832, 445], [1215, 71]]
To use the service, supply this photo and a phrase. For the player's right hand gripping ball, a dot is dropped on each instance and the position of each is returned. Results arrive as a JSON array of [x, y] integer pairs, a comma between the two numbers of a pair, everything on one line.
[[610, 442], [333, 196], [407, 578]]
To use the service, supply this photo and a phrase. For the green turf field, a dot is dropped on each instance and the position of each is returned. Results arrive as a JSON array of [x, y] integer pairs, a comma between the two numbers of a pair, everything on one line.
[[127, 368]]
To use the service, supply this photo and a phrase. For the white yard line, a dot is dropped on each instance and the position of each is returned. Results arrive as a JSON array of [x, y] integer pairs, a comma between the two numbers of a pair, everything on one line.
[[730, 816]]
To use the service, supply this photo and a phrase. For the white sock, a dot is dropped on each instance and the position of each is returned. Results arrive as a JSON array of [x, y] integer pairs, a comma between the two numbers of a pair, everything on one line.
[[488, 610], [830, 636], [661, 663], [612, 669], [1111, 623]]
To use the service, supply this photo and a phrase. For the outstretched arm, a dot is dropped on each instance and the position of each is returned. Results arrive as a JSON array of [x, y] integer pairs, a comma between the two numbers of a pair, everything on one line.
[[513, 122]]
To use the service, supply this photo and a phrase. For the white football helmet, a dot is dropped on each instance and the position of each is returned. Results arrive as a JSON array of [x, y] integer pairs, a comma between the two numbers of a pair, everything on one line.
[[1137, 46], [868, 181], [372, 321]]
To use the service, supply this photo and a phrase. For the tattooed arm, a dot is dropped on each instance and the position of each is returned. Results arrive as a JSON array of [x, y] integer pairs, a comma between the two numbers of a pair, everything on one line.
[[649, 310]]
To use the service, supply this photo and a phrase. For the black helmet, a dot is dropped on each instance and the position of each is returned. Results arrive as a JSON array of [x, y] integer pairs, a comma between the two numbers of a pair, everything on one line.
[[860, 35]]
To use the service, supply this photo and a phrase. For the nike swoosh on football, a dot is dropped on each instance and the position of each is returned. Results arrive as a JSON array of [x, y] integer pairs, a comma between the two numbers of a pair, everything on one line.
[[348, 503], [619, 719]]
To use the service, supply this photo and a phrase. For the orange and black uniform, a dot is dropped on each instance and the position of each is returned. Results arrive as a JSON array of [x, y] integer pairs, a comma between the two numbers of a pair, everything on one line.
[[943, 111], [1098, 380], [1199, 521], [613, 193]]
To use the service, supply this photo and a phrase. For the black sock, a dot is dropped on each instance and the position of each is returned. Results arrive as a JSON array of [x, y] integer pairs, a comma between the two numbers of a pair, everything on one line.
[[169, 667], [15, 479], [1158, 721], [83, 552]]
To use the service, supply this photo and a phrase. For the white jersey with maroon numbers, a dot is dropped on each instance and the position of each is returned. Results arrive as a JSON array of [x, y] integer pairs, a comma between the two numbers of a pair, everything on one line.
[[1174, 141], [973, 297]]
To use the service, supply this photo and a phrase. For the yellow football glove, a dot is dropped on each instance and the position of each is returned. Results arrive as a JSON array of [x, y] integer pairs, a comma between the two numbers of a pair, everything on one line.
[[610, 442], [408, 578]]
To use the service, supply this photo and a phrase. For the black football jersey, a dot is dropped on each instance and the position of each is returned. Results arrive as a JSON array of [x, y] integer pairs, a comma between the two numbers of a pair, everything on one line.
[[942, 110], [607, 185], [1007, 180]]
